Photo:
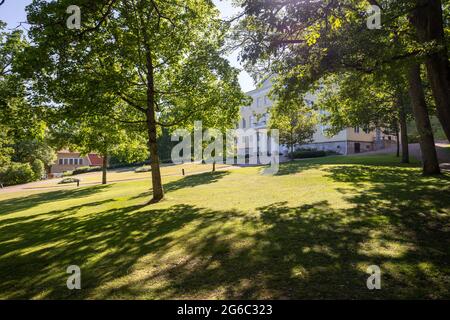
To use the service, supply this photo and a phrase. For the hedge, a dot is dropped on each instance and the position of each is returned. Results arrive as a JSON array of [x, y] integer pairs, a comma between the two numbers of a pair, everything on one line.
[[302, 154], [86, 169]]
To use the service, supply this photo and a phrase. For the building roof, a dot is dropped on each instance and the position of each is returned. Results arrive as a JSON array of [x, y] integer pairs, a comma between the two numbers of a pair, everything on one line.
[[95, 159]]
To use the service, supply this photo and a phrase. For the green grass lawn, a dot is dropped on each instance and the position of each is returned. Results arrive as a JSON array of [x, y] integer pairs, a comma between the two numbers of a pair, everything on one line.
[[308, 232], [124, 174]]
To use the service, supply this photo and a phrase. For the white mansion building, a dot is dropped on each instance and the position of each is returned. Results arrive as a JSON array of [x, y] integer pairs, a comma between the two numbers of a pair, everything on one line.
[[347, 141]]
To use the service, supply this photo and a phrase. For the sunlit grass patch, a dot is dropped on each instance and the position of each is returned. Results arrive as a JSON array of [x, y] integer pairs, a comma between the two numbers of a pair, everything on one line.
[[310, 231]]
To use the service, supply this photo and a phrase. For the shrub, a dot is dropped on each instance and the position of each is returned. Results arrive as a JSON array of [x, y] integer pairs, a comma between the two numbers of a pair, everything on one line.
[[301, 154], [86, 169], [143, 169], [69, 180], [38, 168], [17, 173]]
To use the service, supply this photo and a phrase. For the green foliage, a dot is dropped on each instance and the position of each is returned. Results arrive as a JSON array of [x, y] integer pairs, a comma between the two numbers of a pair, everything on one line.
[[38, 168], [357, 99], [34, 149], [165, 145], [295, 122], [95, 133], [22, 125], [5, 150], [147, 64], [190, 78], [316, 43], [17, 173]]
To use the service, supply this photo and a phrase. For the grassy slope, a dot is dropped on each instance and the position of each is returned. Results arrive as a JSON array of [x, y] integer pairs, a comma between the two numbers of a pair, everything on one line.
[[308, 232]]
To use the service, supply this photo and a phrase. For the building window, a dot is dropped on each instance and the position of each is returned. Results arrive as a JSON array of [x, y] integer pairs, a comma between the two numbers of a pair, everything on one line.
[[243, 123], [251, 120], [70, 161], [266, 100], [66, 161], [60, 161], [75, 161], [80, 161], [356, 129]]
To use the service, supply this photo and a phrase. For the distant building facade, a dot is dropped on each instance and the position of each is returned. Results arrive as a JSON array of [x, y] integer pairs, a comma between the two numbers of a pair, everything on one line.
[[70, 160], [348, 141]]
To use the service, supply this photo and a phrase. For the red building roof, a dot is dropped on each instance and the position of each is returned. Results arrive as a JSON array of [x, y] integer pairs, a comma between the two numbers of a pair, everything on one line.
[[95, 159]]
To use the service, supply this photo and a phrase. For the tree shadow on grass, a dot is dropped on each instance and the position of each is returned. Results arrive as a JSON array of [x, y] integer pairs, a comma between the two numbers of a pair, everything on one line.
[[189, 181], [228, 251], [195, 180], [398, 220]]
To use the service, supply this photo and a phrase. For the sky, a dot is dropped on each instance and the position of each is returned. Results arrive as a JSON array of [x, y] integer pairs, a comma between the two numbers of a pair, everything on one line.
[[13, 12]]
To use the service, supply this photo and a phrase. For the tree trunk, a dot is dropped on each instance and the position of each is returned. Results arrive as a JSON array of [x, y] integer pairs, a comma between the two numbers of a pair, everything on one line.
[[104, 168], [398, 142], [158, 191], [426, 139], [428, 21], [403, 133], [214, 166]]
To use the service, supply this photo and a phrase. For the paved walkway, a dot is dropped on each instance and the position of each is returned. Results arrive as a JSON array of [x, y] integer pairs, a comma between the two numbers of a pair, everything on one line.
[[442, 149], [49, 184]]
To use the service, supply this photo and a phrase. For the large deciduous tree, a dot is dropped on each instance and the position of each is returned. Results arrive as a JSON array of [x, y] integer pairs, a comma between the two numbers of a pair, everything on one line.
[[22, 125], [159, 61], [304, 41], [427, 18], [371, 101]]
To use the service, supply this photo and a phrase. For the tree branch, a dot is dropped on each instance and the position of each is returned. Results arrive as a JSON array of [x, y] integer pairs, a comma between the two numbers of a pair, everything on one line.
[[130, 102]]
